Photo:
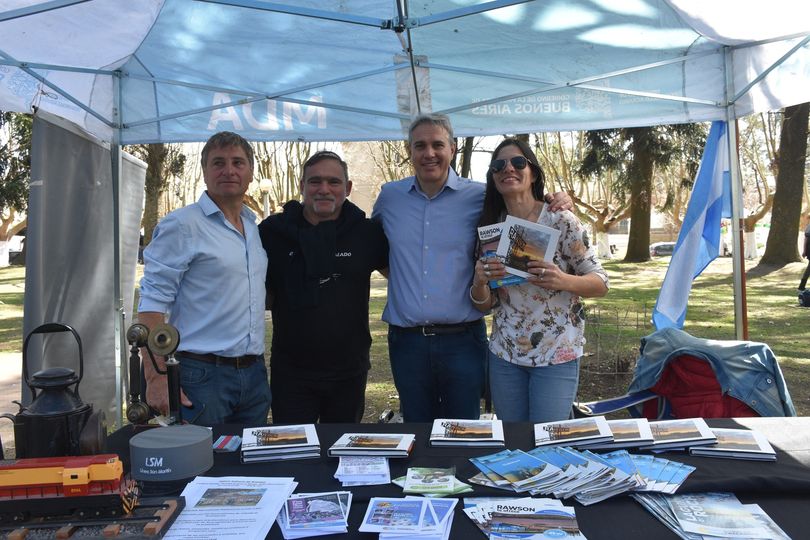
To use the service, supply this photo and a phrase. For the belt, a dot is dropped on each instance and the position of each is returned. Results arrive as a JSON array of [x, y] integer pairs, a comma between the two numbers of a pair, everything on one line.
[[238, 362], [439, 329]]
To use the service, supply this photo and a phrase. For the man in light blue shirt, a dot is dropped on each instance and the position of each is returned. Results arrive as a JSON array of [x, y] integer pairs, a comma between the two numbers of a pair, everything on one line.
[[436, 338], [205, 268]]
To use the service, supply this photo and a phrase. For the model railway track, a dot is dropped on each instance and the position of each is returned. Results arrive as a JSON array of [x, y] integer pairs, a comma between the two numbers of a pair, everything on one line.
[[149, 519]]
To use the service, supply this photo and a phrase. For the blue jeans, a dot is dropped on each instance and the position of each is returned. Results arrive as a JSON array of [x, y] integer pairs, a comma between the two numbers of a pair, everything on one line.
[[532, 394], [222, 394], [439, 376]]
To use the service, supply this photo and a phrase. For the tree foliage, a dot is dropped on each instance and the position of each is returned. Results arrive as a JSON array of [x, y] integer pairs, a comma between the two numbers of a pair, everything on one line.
[[596, 202], [633, 154], [15, 171], [391, 162], [163, 161], [281, 162]]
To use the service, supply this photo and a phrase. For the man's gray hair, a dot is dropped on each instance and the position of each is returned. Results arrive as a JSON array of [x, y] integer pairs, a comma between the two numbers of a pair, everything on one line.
[[224, 139], [440, 120]]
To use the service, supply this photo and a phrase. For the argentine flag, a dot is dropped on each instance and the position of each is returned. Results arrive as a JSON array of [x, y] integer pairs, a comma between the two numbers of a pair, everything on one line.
[[699, 240]]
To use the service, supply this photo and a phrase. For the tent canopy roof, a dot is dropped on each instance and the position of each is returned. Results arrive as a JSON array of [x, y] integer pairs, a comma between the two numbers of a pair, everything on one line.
[[360, 69]]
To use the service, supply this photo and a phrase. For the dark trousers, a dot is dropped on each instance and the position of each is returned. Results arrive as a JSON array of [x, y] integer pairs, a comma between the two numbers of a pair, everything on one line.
[[806, 275], [439, 376], [303, 401]]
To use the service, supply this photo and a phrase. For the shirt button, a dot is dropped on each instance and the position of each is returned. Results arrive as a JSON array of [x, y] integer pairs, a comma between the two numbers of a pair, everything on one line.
[[426, 248], [425, 272]]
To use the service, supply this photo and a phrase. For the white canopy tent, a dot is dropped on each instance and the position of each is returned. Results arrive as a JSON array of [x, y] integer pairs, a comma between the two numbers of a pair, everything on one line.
[[179, 70]]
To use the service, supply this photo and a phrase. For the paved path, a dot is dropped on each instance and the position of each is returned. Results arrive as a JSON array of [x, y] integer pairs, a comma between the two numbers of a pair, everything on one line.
[[10, 376]]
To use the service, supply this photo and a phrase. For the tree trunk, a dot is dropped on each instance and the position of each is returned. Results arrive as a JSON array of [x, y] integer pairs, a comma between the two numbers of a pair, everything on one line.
[[466, 157], [640, 172], [155, 158], [781, 247]]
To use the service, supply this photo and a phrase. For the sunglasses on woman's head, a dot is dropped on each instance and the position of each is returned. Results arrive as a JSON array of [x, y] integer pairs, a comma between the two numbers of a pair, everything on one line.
[[518, 162]]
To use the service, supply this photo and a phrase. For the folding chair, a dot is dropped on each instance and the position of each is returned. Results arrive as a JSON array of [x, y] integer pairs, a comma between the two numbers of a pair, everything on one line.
[[681, 376]]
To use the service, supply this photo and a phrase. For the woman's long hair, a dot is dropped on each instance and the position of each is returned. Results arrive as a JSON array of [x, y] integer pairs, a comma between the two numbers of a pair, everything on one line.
[[494, 205]]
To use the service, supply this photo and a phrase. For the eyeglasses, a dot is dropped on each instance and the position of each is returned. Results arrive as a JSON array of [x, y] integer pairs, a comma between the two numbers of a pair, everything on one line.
[[518, 162]]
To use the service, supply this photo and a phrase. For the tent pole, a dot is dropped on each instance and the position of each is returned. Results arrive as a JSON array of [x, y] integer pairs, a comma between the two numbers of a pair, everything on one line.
[[118, 301], [740, 301]]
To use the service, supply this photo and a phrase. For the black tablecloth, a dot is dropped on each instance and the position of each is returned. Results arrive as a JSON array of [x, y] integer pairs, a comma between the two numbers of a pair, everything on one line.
[[781, 488]]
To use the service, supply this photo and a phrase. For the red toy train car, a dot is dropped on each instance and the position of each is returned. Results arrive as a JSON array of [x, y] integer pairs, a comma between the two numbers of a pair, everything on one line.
[[74, 485]]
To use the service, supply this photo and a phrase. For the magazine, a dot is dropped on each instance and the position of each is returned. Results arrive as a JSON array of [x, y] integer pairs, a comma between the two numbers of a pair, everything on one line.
[[279, 442], [446, 432], [571, 432], [627, 433], [489, 236], [737, 444], [716, 514], [679, 434], [710, 515], [523, 241], [373, 444]]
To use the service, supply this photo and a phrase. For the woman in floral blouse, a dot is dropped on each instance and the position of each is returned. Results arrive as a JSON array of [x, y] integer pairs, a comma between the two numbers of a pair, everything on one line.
[[538, 325]]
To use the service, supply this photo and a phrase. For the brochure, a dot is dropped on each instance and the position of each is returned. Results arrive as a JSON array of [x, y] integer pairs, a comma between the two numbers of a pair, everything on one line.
[[489, 237], [372, 444], [397, 515], [572, 432], [315, 514], [438, 530], [446, 432], [363, 470], [483, 464], [523, 241], [429, 480], [307, 510], [457, 488], [550, 523], [481, 509], [523, 470]]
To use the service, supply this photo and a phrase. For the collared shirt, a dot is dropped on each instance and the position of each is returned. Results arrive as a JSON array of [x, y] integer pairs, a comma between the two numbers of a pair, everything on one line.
[[209, 278], [431, 250], [533, 326]]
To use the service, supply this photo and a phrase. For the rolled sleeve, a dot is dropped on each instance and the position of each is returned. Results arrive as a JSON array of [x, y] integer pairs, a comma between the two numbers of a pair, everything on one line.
[[165, 265], [576, 250]]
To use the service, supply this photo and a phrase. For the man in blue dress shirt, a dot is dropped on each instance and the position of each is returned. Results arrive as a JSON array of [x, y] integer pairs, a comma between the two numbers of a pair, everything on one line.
[[205, 270], [436, 338]]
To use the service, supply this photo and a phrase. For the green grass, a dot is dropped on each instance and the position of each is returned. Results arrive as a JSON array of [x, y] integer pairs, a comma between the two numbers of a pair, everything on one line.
[[774, 317], [12, 291], [614, 327]]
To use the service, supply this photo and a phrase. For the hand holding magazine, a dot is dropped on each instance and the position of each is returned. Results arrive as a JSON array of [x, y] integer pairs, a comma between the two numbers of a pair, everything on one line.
[[523, 241]]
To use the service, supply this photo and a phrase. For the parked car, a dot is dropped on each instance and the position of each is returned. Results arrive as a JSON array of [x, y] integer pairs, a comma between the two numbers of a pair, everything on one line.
[[660, 249]]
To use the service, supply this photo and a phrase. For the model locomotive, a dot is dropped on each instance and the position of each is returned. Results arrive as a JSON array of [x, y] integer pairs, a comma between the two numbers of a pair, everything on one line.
[[79, 486]]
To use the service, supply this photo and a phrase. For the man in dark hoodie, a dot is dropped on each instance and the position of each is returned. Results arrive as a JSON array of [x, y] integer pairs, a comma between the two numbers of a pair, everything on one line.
[[321, 254]]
